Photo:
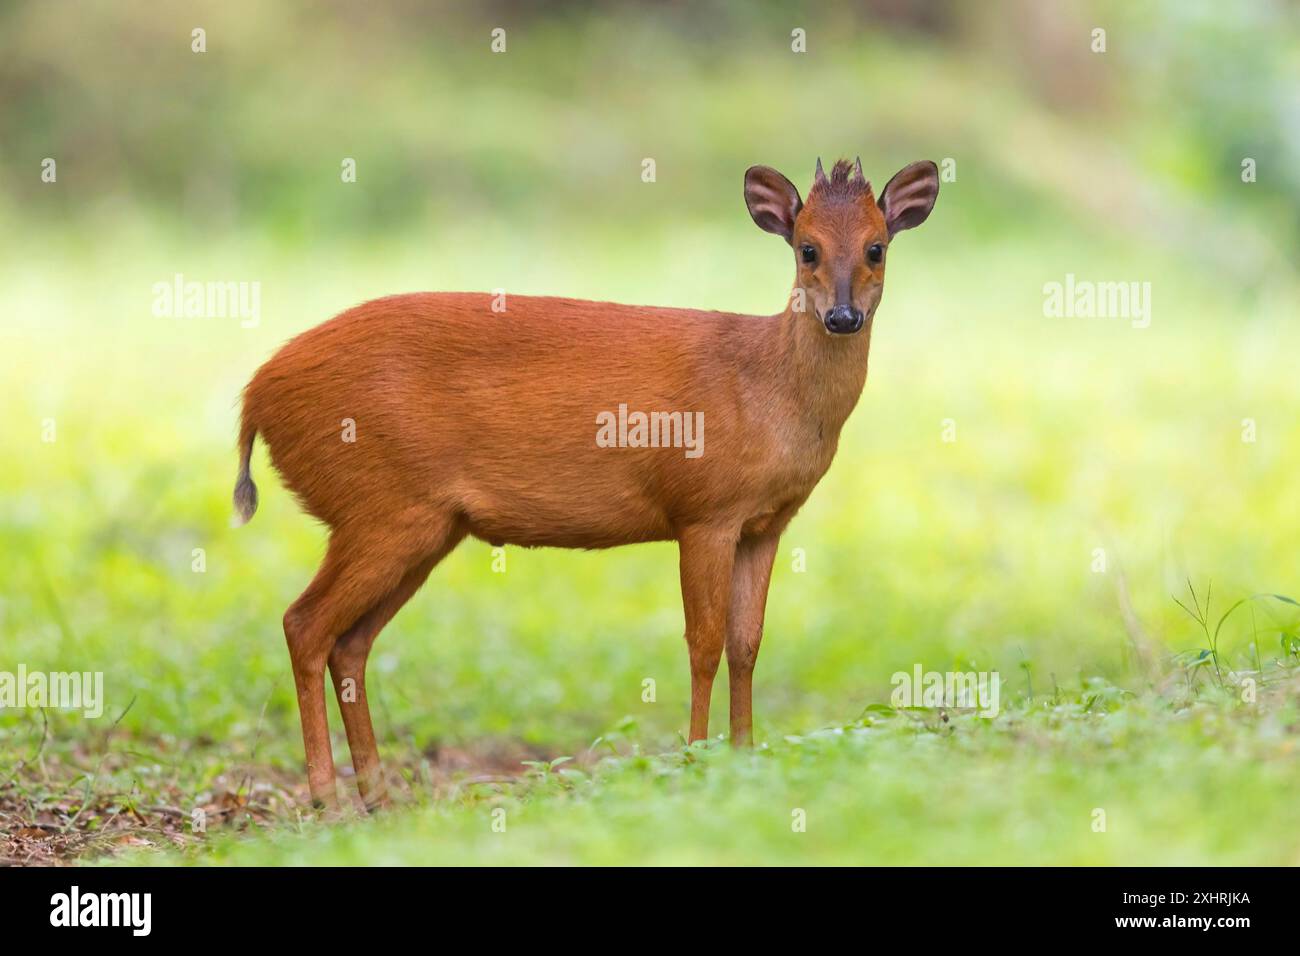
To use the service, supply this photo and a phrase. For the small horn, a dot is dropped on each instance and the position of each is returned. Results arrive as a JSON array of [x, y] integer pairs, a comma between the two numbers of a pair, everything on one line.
[[821, 173], [857, 171]]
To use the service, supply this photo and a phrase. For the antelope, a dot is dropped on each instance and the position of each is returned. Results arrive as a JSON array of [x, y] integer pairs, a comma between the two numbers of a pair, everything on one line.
[[409, 422]]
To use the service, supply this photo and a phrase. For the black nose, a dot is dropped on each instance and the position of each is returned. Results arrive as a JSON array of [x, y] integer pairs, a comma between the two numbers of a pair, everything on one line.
[[843, 320]]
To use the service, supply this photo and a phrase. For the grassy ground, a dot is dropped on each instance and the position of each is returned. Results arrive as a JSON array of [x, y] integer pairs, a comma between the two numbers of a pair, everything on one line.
[[1056, 783], [976, 554], [1096, 469]]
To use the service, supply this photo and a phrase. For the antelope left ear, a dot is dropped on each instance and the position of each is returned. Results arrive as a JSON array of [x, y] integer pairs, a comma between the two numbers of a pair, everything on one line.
[[773, 201], [909, 196]]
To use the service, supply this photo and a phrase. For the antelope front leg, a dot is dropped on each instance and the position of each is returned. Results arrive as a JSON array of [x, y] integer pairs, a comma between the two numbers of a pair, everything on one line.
[[707, 556], [749, 581]]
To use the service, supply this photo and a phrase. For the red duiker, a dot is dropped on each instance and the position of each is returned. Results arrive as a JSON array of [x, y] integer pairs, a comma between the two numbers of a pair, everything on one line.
[[409, 422]]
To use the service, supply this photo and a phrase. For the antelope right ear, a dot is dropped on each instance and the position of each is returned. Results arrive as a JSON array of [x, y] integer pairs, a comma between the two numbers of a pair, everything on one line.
[[772, 200], [909, 196]]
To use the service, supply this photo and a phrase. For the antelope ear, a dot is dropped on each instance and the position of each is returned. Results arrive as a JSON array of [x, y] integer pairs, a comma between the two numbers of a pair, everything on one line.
[[772, 200], [909, 196]]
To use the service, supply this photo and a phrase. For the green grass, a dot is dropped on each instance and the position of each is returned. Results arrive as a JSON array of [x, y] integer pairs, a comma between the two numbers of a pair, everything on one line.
[[975, 554], [1093, 780]]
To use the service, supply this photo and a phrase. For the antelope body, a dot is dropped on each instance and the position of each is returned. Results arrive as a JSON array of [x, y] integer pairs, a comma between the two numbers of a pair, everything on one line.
[[465, 421]]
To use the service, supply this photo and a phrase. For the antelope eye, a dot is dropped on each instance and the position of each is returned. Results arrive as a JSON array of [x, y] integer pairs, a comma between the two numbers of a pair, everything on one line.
[[875, 252], [808, 253]]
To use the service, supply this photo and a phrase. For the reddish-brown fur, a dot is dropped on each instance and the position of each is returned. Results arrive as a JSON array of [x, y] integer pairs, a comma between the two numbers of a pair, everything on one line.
[[470, 421]]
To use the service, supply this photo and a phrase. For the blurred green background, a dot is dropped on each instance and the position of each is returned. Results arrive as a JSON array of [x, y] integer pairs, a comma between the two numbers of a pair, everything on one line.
[[522, 170]]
